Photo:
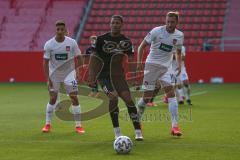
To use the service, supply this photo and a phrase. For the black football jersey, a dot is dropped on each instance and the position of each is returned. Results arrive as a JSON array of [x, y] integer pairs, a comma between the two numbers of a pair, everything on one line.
[[111, 51]]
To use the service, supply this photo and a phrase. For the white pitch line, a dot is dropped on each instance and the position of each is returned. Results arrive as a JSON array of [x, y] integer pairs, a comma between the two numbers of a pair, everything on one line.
[[192, 95], [198, 93]]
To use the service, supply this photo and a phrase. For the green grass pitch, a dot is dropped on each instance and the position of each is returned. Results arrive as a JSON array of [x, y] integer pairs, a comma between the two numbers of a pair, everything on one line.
[[211, 129]]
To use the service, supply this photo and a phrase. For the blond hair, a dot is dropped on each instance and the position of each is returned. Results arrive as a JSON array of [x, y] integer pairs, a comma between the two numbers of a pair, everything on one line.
[[173, 14]]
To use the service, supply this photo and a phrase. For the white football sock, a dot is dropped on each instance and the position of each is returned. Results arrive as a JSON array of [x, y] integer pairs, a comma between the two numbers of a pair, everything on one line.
[[76, 110], [141, 107], [49, 112], [179, 94], [117, 132], [173, 109]]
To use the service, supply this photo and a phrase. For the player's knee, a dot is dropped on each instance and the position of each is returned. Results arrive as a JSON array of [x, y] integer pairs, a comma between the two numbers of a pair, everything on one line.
[[148, 95], [74, 100], [53, 97], [169, 91], [170, 94], [126, 96], [128, 100], [130, 103], [113, 96], [113, 105], [179, 86], [52, 100], [185, 83]]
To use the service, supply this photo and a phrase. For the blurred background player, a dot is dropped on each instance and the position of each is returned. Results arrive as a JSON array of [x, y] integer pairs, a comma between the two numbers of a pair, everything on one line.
[[183, 86], [165, 41], [59, 67], [89, 51], [111, 49]]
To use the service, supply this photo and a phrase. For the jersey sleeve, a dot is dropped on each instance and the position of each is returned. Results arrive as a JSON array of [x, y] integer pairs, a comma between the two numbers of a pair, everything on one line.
[[150, 36], [46, 51], [97, 46], [76, 49]]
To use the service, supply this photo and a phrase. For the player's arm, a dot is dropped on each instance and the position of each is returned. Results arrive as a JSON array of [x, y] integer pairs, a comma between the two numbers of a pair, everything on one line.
[[178, 56], [46, 68], [95, 67], [78, 64], [46, 57], [95, 64], [183, 58], [46, 72], [179, 51], [78, 60], [130, 54], [131, 63], [141, 50]]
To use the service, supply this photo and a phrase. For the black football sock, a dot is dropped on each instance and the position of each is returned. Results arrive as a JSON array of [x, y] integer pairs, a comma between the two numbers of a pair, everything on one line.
[[114, 112]]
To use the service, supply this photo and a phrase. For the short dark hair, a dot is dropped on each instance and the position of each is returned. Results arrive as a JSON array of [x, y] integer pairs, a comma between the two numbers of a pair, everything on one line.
[[93, 37], [118, 17], [60, 23], [173, 14]]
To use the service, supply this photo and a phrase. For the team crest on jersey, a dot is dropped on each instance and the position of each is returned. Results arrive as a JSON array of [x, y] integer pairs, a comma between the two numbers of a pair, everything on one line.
[[145, 83], [174, 41], [67, 48]]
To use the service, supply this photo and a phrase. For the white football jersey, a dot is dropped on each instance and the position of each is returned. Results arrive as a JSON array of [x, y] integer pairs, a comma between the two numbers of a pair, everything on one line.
[[163, 45], [61, 57]]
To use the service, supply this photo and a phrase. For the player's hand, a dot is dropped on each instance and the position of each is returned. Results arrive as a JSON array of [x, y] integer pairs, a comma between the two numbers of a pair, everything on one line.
[[178, 70]]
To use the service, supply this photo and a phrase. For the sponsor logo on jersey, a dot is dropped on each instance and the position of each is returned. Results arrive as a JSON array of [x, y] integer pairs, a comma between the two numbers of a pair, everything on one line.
[[61, 57], [165, 47], [112, 47], [67, 48]]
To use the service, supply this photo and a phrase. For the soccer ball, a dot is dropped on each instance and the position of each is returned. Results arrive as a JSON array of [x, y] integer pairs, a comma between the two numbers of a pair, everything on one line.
[[122, 145]]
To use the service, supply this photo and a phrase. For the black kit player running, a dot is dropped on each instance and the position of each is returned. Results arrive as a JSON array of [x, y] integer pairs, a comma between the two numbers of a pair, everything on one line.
[[111, 49]]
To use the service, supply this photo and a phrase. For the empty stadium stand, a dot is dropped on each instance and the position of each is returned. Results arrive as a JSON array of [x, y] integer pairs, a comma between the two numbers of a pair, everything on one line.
[[25, 25], [199, 19], [231, 37]]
